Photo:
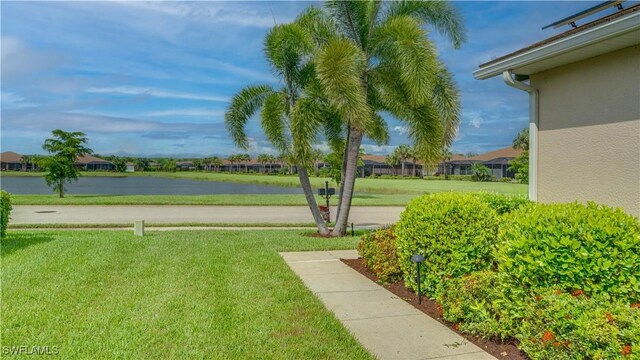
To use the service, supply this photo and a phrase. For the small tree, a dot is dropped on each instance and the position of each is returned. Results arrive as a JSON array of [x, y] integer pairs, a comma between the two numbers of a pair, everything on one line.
[[520, 165], [479, 172], [120, 164], [142, 164], [65, 148], [197, 163], [446, 157], [216, 162]]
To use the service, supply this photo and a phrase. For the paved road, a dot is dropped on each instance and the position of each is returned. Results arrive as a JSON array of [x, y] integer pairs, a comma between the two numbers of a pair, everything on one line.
[[172, 214]]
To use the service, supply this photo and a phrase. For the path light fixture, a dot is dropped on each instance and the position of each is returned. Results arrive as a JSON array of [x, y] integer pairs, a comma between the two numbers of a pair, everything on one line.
[[418, 259], [326, 193], [353, 232]]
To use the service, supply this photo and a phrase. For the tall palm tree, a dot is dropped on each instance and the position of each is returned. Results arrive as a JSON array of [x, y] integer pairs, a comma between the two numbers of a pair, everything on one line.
[[292, 115], [446, 157], [402, 152], [216, 162], [382, 60]]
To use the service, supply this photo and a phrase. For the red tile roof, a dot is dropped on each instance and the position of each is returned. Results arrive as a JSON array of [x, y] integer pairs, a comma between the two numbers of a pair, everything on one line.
[[10, 157], [507, 152]]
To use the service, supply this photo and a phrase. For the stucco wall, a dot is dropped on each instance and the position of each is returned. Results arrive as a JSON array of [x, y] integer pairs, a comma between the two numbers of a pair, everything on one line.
[[589, 131]]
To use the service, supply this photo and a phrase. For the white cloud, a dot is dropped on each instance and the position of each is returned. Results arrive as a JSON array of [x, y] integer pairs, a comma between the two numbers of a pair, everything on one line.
[[12, 101], [144, 91], [401, 130], [186, 112], [378, 149], [475, 119]]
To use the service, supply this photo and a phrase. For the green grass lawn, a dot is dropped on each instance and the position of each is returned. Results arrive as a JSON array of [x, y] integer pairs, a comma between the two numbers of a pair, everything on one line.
[[243, 199], [196, 294]]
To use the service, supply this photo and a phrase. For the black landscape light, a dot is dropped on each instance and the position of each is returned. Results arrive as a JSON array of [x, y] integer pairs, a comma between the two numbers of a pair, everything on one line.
[[417, 259], [326, 193], [353, 232]]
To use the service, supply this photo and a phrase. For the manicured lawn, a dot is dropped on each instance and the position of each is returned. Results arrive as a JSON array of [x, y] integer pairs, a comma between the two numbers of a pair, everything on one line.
[[197, 294], [243, 199]]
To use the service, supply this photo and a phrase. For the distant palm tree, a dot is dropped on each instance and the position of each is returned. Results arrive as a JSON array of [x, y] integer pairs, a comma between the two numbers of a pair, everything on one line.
[[402, 153], [446, 157], [216, 162]]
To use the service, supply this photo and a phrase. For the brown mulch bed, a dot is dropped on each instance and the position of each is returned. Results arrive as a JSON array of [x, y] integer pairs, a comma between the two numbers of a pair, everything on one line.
[[500, 350]]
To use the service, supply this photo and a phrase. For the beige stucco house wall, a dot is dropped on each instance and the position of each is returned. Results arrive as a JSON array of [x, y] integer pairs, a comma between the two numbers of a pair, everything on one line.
[[584, 109], [589, 130]]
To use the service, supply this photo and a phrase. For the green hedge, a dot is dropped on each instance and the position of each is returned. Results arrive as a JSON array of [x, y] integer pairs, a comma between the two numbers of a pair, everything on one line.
[[502, 203], [562, 326], [5, 212], [477, 303], [455, 232], [591, 248], [378, 249], [450, 177]]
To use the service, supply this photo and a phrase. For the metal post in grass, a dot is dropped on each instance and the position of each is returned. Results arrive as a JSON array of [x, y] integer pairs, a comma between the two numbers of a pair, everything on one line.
[[418, 259], [353, 232]]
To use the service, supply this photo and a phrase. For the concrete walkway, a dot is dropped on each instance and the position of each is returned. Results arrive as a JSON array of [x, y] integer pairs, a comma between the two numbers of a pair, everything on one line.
[[174, 214], [387, 326]]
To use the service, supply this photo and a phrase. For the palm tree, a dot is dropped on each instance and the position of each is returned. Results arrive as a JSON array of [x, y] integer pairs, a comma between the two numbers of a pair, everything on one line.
[[381, 60], [244, 158], [402, 153], [446, 157], [291, 115], [263, 159], [232, 159], [216, 162], [393, 160]]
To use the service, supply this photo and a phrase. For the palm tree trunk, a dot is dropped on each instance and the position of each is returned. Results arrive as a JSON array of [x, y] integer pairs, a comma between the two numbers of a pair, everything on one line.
[[343, 170], [402, 167], [311, 200], [348, 182]]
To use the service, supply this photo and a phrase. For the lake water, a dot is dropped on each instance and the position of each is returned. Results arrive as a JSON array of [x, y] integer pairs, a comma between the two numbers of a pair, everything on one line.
[[139, 186]]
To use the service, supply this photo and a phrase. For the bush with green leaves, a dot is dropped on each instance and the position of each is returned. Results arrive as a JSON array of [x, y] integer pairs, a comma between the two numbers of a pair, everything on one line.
[[5, 212], [378, 249], [563, 326], [592, 248], [476, 302], [503, 203], [456, 233]]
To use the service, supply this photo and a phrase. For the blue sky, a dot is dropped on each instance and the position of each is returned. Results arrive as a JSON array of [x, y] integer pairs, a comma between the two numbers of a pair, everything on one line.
[[154, 79]]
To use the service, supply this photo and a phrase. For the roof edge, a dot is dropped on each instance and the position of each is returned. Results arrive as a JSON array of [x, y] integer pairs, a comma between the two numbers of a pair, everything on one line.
[[590, 36]]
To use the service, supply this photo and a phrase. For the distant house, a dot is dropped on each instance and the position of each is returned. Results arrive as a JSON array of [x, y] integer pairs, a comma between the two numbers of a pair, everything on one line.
[[377, 165], [185, 165], [496, 160], [92, 163], [10, 161], [584, 110], [130, 167]]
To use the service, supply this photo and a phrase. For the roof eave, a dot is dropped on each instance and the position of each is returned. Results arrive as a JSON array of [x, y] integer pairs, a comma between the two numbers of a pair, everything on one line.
[[561, 46]]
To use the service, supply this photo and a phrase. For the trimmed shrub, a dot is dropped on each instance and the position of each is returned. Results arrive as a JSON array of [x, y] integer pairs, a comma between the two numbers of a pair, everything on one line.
[[562, 326], [592, 248], [5, 212], [502, 203], [378, 249], [455, 232], [476, 302]]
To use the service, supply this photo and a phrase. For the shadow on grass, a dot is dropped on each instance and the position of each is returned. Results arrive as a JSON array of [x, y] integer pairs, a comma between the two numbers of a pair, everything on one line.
[[14, 242]]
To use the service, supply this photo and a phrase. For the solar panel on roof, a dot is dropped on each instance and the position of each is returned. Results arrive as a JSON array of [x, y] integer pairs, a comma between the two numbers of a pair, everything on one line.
[[582, 14]]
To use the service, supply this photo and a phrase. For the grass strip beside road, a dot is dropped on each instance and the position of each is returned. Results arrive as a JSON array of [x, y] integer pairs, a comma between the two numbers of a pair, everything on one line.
[[147, 225], [174, 294], [226, 199]]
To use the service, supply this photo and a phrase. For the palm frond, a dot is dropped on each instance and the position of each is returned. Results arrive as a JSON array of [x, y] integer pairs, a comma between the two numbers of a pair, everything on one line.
[[440, 15], [425, 129], [446, 100], [274, 122], [243, 106], [306, 121], [318, 24], [340, 66], [402, 45], [378, 131], [351, 18], [287, 48]]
